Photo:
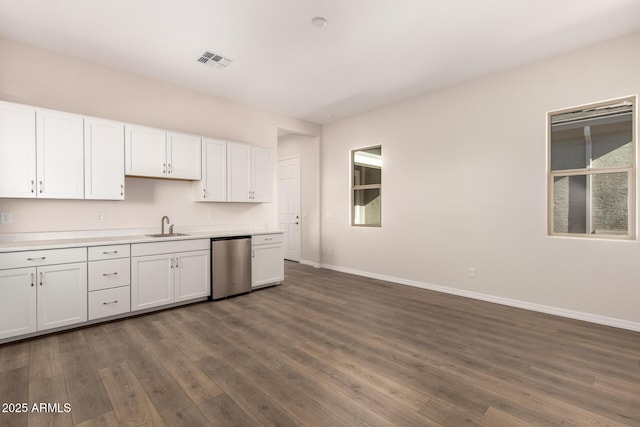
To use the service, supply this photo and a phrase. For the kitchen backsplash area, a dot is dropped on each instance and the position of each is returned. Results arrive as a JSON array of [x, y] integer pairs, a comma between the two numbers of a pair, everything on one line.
[[147, 200]]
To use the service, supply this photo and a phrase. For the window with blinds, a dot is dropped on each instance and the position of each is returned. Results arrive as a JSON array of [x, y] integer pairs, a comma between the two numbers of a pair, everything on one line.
[[591, 170]]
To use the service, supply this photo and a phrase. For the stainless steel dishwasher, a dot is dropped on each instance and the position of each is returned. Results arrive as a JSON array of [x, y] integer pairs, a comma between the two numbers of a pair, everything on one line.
[[230, 266]]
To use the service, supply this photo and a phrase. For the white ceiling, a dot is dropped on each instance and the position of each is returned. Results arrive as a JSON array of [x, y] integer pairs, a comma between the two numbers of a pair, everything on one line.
[[371, 52]]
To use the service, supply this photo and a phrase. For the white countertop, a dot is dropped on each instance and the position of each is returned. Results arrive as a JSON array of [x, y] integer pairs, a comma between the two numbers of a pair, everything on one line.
[[74, 239]]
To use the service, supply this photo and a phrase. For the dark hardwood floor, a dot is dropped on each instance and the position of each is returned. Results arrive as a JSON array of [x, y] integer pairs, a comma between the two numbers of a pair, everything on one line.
[[329, 349]]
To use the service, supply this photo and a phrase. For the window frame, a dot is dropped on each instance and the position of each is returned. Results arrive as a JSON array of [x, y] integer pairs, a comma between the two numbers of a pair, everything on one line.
[[353, 187], [590, 171]]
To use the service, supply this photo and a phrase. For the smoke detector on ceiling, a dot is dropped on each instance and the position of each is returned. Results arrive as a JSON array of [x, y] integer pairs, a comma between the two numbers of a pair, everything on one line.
[[214, 60]]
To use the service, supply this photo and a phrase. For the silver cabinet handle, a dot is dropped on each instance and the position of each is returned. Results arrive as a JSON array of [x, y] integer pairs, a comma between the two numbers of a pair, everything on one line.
[[164, 168], [177, 259], [171, 262], [41, 186], [41, 278], [268, 238], [110, 302], [109, 252], [42, 258], [110, 274], [170, 168], [204, 193], [253, 253], [33, 279], [122, 189], [33, 186]]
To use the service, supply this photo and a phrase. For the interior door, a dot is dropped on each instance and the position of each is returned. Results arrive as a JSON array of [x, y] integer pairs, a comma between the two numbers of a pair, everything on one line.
[[289, 206]]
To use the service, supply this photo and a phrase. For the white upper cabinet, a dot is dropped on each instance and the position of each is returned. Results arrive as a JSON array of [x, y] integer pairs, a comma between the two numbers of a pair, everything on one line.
[[261, 174], [103, 159], [213, 186], [238, 172], [160, 154], [60, 155], [183, 156], [145, 151], [249, 173], [17, 150]]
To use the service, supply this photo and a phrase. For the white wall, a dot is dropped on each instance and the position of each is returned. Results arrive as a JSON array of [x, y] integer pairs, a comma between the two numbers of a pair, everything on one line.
[[34, 76], [308, 148], [464, 185]]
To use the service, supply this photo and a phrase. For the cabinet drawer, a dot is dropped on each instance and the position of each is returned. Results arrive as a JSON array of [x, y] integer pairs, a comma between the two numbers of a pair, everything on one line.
[[263, 239], [109, 273], [43, 257], [97, 253], [109, 302]]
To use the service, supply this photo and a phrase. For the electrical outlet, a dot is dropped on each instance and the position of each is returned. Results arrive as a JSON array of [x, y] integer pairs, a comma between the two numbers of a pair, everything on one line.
[[100, 217], [6, 217], [471, 272], [209, 214]]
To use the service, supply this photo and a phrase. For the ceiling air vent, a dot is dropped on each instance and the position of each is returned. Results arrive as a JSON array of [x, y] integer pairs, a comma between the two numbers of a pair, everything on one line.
[[214, 60]]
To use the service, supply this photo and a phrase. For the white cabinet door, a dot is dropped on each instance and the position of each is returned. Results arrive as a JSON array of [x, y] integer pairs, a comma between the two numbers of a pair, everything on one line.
[[103, 159], [213, 186], [183, 156], [151, 281], [60, 155], [62, 295], [261, 174], [238, 172], [17, 302], [17, 150], [267, 265], [192, 275], [145, 151]]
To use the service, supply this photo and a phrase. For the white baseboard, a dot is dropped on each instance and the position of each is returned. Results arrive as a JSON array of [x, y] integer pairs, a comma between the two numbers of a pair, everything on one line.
[[557, 311], [311, 263]]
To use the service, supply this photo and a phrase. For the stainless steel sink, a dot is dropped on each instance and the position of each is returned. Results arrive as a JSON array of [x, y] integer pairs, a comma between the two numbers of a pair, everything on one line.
[[167, 235]]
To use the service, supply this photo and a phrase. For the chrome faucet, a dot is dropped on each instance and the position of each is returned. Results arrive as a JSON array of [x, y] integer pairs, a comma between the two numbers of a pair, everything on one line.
[[162, 224]]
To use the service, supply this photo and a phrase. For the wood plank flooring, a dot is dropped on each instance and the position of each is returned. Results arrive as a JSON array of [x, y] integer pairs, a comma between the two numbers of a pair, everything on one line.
[[329, 349]]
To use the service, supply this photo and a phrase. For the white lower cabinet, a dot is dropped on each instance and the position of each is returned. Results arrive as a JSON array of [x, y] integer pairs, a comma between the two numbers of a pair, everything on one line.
[[17, 302], [109, 281], [168, 272], [41, 290], [267, 262], [62, 295], [109, 302], [192, 275], [151, 281], [54, 288]]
